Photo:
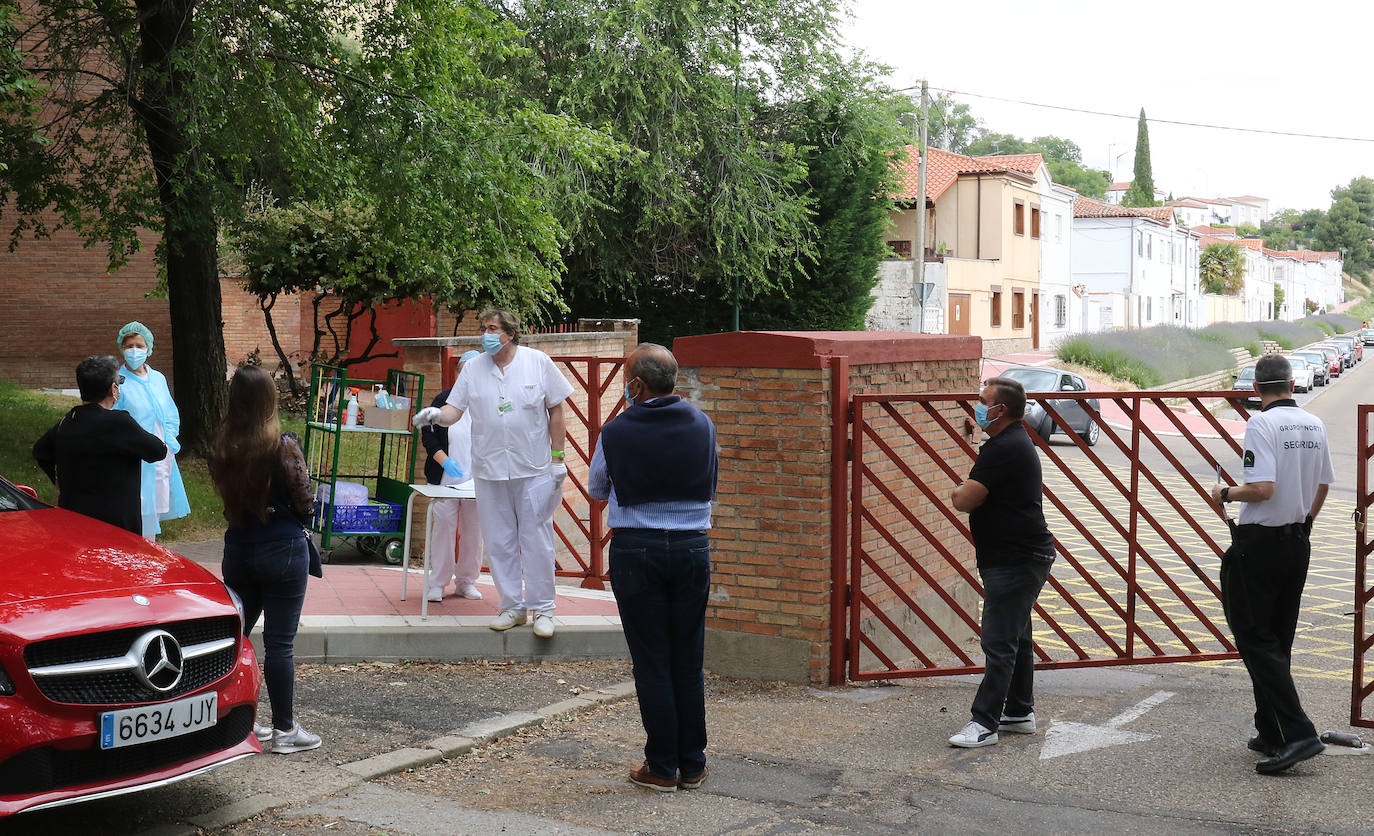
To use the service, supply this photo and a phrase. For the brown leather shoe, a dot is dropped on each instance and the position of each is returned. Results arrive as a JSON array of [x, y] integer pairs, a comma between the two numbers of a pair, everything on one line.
[[647, 779], [691, 782]]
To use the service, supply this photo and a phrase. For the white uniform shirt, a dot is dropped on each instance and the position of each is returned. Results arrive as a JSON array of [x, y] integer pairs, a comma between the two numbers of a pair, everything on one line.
[[1287, 446], [460, 449], [510, 412]]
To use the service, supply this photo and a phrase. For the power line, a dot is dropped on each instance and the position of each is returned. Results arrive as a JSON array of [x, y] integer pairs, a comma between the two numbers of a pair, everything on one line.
[[1147, 118]]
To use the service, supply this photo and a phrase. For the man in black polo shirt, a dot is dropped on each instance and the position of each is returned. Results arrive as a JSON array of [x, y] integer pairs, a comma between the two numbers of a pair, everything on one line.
[[1015, 550]]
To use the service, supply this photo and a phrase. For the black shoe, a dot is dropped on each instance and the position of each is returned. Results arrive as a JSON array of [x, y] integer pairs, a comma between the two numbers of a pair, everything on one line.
[[1286, 756], [1257, 744]]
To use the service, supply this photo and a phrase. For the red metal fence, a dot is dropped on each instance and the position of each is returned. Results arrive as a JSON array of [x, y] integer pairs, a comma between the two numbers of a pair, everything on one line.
[[1137, 537], [1361, 684], [581, 523]]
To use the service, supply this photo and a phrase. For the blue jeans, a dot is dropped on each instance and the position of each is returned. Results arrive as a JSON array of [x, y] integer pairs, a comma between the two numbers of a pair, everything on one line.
[[1009, 594], [270, 579], [661, 579]]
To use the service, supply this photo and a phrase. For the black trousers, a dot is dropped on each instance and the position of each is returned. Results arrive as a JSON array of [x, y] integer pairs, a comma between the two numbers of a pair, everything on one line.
[[1262, 577], [1009, 594]]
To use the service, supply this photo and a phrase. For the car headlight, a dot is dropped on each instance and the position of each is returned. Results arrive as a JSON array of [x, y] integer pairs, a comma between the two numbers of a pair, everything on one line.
[[6, 684], [238, 603]]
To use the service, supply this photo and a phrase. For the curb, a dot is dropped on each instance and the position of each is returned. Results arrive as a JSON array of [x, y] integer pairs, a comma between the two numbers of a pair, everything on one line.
[[455, 743]]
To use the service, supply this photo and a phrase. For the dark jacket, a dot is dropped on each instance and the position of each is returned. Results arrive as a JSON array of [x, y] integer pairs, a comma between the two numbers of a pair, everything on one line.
[[663, 450], [94, 457]]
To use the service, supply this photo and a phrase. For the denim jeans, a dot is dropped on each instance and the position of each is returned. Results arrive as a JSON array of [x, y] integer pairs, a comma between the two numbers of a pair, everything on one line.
[[661, 579], [270, 579], [1009, 594]]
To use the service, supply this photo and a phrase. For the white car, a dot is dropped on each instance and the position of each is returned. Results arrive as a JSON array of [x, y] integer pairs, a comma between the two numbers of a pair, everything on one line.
[[1304, 375]]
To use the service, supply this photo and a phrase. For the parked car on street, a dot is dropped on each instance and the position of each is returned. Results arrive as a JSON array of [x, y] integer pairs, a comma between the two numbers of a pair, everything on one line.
[[1354, 347], [1321, 369], [1333, 358], [1245, 381], [1041, 379], [1303, 373], [123, 666], [1367, 336], [1345, 352]]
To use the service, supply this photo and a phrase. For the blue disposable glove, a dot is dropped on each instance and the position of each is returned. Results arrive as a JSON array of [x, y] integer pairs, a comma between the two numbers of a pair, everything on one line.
[[451, 467]]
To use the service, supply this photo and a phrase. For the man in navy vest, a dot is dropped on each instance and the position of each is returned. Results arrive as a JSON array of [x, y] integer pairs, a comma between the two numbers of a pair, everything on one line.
[[655, 463]]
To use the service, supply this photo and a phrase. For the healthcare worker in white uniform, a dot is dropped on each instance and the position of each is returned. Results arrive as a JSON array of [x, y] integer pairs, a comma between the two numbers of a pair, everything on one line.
[[515, 396], [146, 397], [451, 450]]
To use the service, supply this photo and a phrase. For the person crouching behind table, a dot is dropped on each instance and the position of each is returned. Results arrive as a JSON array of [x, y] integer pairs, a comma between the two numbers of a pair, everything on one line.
[[655, 464], [450, 463], [261, 474], [145, 396]]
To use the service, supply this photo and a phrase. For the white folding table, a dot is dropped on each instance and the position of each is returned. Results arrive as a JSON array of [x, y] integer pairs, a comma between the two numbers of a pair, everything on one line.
[[466, 490]]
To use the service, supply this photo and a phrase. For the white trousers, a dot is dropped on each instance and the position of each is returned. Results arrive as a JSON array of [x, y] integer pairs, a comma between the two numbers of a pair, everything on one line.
[[519, 534], [454, 519]]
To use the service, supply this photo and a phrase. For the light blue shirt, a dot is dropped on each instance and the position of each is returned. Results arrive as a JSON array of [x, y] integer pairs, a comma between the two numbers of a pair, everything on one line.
[[671, 516]]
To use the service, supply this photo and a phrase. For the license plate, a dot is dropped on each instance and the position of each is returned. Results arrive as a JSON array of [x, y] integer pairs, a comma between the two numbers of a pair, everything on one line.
[[131, 726]]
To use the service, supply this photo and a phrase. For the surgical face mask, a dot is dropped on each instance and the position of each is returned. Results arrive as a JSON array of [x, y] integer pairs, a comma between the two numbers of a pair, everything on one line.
[[491, 343], [135, 357], [980, 414], [629, 399]]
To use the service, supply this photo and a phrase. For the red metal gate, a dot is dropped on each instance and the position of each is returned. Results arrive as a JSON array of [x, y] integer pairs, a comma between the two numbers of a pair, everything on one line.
[[1361, 684], [1138, 539], [581, 524]]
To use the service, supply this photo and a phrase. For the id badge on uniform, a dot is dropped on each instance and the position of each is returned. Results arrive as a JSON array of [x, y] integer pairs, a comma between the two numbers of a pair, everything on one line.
[[503, 406]]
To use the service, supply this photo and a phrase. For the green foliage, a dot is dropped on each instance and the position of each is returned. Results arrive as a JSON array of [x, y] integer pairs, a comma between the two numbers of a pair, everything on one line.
[[1142, 190], [1222, 269], [1344, 230], [1150, 356], [848, 131], [1062, 157], [1089, 182], [1278, 301], [1361, 191], [950, 124], [1115, 362], [1247, 231], [994, 144]]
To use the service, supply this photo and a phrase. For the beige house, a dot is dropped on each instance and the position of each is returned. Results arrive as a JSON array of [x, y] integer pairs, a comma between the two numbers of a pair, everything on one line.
[[984, 218]]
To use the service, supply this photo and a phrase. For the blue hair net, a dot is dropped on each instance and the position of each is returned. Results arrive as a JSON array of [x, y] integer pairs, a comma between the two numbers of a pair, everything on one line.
[[136, 328]]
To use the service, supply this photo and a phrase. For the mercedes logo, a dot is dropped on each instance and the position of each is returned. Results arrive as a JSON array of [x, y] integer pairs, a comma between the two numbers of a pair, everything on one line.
[[159, 660]]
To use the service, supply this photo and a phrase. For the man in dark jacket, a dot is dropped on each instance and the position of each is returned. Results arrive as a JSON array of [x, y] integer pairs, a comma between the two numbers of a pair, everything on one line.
[[93, 454], [655, 464]]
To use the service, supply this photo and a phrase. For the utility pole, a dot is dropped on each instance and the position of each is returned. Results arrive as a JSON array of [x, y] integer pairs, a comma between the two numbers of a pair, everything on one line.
[[919, 245]]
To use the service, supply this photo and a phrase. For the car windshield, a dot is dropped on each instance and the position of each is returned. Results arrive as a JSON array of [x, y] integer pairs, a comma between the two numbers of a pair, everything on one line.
[[1034, 380], [13, 499], [1247, 373], [1297, 362]]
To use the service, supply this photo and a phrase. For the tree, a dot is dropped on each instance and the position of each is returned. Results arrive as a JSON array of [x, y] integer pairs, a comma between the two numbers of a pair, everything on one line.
[[1222, 269], [1360, 190], [1090, 182], [1062, 157], [1058, 149], [711, 206], [850, 132], [1344, 230], [1278, 301], [161, 114], [1142, 190], [994, 144], [951, 125]]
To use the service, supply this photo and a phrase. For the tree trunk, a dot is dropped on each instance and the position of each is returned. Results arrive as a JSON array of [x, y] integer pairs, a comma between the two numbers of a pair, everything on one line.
[[189, 235]]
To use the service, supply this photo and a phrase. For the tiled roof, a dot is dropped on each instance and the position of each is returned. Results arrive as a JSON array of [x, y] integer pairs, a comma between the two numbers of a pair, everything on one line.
[[1229, 231], [1186, 201], [1248, 198], [1252, 243], [1119, 187], [944, 167], [1087, 207]]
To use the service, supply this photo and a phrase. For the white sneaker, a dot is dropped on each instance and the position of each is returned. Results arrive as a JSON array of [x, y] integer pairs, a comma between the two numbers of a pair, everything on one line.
[[262, 733], [973, 735], [470, 592], [434, 596], [543, 625], [296, 740], [1017, 725], [508, 619]]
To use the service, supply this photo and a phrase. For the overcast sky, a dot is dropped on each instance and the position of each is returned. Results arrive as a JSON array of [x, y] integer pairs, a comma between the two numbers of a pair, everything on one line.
[[1293, 66]]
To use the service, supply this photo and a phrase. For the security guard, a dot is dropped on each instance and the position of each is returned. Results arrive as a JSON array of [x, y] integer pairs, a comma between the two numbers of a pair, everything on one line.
[[1288, 469]]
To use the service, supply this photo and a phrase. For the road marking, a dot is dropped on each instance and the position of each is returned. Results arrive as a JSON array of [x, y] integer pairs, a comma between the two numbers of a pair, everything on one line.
[[1063, 738]]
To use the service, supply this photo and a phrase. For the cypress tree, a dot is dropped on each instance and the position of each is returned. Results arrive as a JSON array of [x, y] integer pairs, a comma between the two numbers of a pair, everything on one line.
[[1142, 190]]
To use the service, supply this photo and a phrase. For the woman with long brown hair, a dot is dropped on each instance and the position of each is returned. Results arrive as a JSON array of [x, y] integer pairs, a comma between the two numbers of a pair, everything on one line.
[[260, 473]]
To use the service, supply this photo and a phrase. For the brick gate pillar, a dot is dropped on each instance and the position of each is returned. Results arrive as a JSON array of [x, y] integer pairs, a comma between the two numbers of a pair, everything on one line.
[[770, 395]]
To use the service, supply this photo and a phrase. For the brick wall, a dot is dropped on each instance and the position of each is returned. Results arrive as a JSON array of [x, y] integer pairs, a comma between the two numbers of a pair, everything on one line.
[[769, 611], [245, 328]]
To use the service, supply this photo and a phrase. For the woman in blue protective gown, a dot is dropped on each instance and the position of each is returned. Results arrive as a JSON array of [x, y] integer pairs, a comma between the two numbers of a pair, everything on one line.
[[146, 397]]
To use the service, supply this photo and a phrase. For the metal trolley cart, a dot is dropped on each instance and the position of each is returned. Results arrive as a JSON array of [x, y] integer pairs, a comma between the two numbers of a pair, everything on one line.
[[378, 453]]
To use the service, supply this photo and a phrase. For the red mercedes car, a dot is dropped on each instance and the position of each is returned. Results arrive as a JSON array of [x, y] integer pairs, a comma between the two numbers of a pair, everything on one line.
[[122, 665]]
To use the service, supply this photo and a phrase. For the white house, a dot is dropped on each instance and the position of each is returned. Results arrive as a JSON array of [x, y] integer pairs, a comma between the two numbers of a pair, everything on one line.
[[1289, 274], [1191, 212], [1117, 191], [1131, 265], [1249, 209]]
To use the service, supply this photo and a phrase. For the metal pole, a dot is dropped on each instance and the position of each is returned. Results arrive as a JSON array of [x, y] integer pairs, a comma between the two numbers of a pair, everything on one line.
[[919, 248]]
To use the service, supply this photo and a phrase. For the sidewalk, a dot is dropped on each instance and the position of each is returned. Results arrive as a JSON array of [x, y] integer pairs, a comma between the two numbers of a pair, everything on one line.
[[1155, 418], [355, 612]]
